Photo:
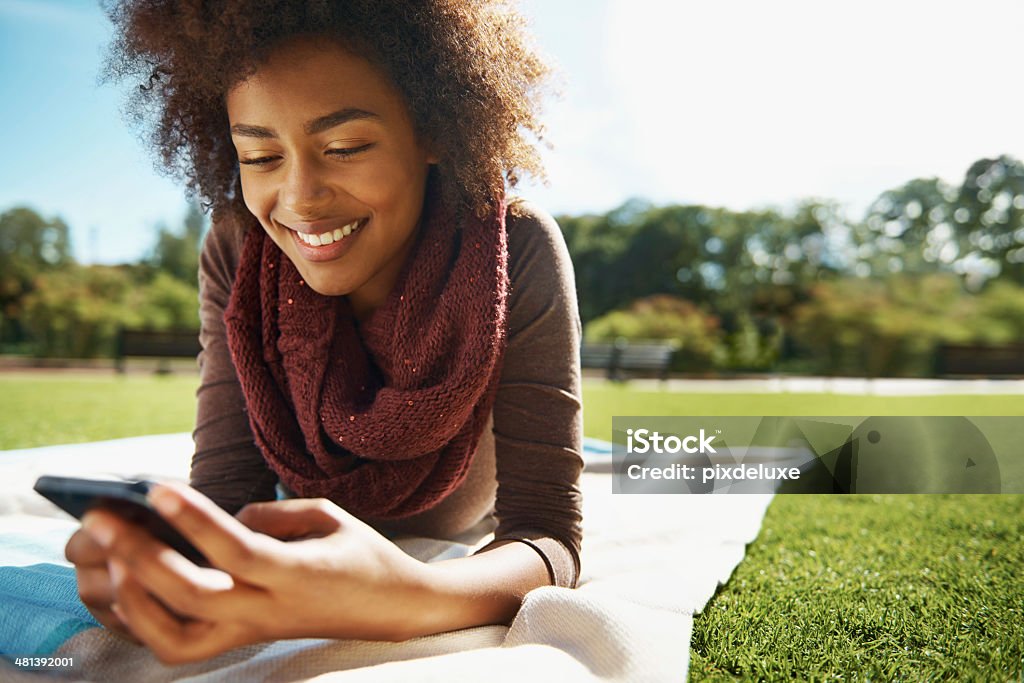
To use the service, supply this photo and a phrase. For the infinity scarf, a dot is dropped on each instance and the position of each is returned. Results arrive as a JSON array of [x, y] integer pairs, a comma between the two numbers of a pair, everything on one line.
[[383, 418]]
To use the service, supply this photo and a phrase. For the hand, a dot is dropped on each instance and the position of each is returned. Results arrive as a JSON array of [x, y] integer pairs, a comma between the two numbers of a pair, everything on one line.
[[95, 588], [285, 569]]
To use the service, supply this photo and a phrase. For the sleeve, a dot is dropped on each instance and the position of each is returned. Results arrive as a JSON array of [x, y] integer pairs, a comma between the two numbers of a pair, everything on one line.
[[227, 465], [538, 430]]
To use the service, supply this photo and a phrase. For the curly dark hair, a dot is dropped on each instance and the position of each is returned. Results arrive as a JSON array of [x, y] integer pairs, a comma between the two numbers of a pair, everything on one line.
[[471, 79]]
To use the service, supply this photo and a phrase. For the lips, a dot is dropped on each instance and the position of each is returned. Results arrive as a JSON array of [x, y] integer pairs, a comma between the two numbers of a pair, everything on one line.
[[325, 240]]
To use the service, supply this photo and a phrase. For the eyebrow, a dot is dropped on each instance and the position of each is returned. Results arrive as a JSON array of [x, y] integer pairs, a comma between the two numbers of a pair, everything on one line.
[[317, 125]]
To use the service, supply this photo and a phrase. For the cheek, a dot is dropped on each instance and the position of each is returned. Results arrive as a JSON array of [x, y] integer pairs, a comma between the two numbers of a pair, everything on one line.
[[254, 200], [393, 186]]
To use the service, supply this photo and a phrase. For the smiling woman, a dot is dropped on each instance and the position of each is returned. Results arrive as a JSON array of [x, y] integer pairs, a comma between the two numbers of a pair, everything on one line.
[[387, 336]]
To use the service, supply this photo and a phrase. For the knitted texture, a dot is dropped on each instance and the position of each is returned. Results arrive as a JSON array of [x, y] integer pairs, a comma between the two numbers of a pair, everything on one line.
[[383, 418]]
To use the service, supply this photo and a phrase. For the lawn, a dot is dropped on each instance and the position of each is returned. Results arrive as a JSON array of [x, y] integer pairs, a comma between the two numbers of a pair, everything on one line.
[[854, 587], [46, 409]]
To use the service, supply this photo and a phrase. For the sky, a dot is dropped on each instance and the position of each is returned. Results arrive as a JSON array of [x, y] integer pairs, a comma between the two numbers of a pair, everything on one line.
[[735, 103]]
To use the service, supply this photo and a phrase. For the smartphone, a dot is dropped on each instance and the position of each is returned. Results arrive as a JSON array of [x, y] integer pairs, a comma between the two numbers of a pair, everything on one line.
[[124, 498]]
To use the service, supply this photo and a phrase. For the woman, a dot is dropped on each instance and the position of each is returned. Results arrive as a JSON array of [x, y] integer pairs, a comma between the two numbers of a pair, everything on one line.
[[385, 338]]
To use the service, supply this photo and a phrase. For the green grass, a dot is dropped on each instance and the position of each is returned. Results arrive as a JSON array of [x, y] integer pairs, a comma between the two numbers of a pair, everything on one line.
[[44, 409], [875, 588], [854, 587]]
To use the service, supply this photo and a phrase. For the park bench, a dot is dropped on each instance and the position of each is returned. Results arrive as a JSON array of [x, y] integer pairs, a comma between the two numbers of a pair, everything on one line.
[[623, 359], [163, 344], [979, 360]]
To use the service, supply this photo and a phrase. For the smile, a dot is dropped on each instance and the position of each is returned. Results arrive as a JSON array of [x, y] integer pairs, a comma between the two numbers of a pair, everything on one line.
[[331, 236]]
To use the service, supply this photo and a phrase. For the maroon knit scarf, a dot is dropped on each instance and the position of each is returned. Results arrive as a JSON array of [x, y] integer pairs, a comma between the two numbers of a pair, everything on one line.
[[383, 419]]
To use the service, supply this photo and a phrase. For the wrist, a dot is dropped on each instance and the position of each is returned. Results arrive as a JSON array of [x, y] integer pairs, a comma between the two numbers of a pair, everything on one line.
[[430, 605], [478, 590]]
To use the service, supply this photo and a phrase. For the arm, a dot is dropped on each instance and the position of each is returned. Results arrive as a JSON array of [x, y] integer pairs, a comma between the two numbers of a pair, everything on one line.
[[227, 466], [538, 411], [538, 442]]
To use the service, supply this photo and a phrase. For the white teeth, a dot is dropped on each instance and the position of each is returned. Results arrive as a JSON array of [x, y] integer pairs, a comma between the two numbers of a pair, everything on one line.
[[328, 237]]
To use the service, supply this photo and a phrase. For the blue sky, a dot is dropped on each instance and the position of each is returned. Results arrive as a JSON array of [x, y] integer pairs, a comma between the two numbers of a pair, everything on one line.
[[737, 103]]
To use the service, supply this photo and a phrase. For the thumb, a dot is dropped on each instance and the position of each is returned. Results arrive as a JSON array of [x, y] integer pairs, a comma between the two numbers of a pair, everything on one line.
[[292, 519]]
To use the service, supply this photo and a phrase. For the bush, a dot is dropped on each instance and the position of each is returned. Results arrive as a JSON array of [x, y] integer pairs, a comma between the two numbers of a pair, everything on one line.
[[749, 346], [663, 317], [75, 312], [891, 328]]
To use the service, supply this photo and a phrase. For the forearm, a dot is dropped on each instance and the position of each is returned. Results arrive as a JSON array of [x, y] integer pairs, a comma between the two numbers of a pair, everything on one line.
[[486, 588]]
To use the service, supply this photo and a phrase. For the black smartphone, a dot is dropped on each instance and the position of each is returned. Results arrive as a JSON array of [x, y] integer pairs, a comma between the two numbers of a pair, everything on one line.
[[124, 498]]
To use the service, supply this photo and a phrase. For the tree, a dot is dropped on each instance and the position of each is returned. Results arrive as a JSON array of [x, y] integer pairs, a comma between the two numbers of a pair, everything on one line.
[[989, 214], [29, 245], [177, 252], [908, 230], [76, 312]]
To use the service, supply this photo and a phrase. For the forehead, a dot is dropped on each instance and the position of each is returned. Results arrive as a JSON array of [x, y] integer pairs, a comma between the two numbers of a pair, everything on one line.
[[312, 76]]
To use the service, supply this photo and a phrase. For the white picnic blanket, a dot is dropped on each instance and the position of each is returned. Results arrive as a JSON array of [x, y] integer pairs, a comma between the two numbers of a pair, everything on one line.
[[649, 563]]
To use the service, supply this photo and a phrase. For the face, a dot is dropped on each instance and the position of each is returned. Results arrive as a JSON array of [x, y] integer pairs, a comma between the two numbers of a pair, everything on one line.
[[331, 167]]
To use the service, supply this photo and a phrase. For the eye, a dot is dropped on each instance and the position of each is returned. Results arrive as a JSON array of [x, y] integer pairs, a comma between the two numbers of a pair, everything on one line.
[[258, 161], [345, 152]]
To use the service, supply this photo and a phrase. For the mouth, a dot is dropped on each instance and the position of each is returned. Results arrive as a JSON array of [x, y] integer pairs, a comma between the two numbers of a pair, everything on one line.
[[317, 237], [327, 240]]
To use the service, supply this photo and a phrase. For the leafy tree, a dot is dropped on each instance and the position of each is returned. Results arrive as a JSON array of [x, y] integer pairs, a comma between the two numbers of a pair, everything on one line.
[[76, 312], [989, 213], [177, 252], [908, 230], [29, 245]]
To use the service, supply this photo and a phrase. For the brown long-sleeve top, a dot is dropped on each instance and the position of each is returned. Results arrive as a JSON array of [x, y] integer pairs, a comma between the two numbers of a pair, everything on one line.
[[526, 469]]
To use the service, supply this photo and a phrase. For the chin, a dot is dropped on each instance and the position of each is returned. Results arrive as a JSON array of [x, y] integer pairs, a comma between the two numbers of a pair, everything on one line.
[[325, 288]]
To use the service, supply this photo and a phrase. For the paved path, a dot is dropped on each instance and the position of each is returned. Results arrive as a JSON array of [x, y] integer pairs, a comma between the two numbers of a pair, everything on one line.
[[831, 385]]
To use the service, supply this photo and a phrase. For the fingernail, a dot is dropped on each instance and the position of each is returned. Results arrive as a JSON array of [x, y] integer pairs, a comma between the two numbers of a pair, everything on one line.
[[117, 572], [165, 501], [101, 532]]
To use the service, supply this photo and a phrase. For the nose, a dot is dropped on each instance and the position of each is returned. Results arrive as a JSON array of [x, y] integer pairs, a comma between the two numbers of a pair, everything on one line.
[[304, 192]]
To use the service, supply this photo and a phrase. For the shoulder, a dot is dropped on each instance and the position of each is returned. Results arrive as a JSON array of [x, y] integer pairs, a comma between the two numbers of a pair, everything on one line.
[[541, 279], [222, 249], [536, 246], [529, 225], [226, 234]]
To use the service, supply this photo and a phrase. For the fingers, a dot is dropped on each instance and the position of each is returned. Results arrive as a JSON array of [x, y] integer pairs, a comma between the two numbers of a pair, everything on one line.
[[224, 540], [181, 585], [95, 588], [292, 519], [96, 591], [172, 639], [83, 550]]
